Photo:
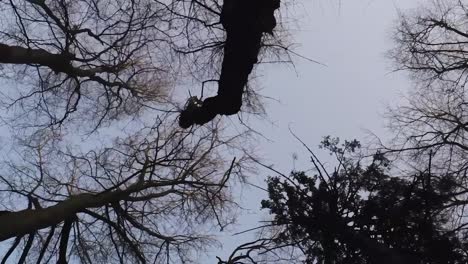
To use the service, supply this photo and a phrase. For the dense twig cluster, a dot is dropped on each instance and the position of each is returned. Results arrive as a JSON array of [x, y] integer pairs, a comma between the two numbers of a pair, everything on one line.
[[147, 192]]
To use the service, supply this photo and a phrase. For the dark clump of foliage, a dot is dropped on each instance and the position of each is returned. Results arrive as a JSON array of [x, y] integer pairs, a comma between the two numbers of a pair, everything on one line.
[[360, 213]]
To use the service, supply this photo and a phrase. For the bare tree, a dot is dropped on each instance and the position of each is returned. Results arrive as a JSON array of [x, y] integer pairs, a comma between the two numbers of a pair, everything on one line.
[[101, 60], [76, 73], [432, 122], [151, 197]]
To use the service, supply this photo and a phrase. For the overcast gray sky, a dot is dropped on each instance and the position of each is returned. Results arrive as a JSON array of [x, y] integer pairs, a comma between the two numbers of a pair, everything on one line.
[[345, 99]]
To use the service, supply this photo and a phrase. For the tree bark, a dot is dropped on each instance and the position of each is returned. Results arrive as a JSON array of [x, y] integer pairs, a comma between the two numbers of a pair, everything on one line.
[[20, 55], [29, 220]]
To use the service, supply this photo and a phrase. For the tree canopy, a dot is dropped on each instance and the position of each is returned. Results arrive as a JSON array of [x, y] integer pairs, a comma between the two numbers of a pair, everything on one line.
[[97, 169]]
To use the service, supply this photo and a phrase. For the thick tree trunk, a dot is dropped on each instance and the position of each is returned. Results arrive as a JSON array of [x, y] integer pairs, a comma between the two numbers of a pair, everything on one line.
[[23, 222], [13, 224], [245, 21], [20, 55]]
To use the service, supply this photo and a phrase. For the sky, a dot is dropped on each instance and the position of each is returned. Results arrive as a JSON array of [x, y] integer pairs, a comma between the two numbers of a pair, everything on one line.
[[346, 98]]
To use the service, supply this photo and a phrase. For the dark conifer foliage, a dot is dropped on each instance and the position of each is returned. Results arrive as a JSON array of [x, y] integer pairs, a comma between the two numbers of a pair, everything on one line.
[[360, 213]]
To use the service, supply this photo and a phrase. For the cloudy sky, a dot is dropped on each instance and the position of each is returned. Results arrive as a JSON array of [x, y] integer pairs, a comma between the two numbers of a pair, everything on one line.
[[345, 98]]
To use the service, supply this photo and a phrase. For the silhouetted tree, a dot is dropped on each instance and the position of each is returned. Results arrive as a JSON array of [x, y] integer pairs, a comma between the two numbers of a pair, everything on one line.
[[245, 22], [100, 60], [431, 124], [97, 170], [431, 46], [358, 213], [153, 195]]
